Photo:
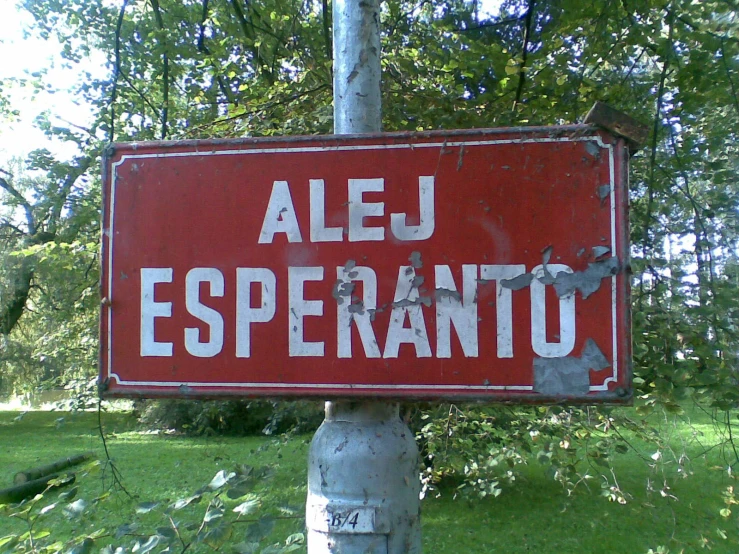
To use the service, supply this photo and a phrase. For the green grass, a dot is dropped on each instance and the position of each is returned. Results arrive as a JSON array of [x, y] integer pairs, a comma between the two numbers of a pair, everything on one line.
[[535, 514]]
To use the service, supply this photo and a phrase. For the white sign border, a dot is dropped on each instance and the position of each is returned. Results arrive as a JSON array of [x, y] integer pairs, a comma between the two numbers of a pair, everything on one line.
[[343, 148]]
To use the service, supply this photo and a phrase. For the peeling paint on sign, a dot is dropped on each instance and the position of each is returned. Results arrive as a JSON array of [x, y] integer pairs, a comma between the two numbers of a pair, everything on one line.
[[604, 191], [600, 251], [568, 375], [588, 281], [518, 283], [369, 266], [415, 260]]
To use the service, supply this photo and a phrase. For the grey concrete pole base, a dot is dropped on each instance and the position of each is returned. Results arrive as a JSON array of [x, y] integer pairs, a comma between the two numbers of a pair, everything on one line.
[[363, 484]]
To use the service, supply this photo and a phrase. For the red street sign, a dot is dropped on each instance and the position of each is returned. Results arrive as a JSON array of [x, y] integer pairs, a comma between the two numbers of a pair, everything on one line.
[[485, 264]]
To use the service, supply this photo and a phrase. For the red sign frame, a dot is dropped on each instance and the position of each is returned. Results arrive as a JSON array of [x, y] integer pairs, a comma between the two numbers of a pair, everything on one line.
[[483, 264]]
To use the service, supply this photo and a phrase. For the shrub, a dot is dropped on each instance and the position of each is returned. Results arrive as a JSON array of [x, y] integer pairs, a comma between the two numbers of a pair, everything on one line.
[[231, 417]]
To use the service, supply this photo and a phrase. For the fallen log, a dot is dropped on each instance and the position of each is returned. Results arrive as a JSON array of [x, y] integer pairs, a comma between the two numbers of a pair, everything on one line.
[[18, 493], [54, 467]]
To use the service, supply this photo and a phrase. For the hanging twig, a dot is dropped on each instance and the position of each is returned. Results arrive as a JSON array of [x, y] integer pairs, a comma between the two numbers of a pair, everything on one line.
[[526, 38], [113, 469], [116, 70], [655, 136], [248, 29], [201, 32], [728, 75], [165, 69], [205, 50], [130, 83]]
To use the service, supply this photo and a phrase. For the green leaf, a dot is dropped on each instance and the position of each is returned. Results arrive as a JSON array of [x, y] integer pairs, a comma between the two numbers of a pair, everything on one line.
[[238, 492], [182, 502], [83, 548], [150, 544], [217, 536], [295, 538], [146, 507], [47, 509], [247, 507], [246, 547], [290, 510], [8, 542], [75, 509], [70, 494], [220, 479], [167, 532], [125, 529], [260, 529], [213, 513]]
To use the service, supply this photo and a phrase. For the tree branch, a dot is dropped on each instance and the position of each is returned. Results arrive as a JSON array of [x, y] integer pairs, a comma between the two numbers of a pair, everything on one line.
[[728, 75], [655, 136], [260, 108], [148, 102], [27, 208], [74, 173], [683, 19], [528, 16], [16, 305], [116, 70], [205, 50], [201, 31], [491, 24], [17, 231], [165, 69], [249, 35]]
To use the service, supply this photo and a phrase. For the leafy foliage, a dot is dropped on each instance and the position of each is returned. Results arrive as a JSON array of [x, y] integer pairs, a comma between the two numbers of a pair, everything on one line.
[[203, 521], [233, 417], [226, 68]]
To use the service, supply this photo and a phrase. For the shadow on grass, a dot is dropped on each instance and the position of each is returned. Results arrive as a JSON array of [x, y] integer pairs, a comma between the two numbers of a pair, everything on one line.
[[533, 515]]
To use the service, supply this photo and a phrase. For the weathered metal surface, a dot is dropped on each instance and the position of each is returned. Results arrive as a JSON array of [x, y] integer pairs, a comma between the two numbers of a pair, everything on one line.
[[363, 486], [438, 265], [363, 482], [618, 123], [356, 40]]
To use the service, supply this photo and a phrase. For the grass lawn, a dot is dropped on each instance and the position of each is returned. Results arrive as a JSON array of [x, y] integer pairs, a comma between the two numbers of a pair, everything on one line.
[[533, 515]]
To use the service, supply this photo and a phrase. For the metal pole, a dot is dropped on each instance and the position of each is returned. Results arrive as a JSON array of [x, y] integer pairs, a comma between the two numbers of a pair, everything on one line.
[[357, 99], [363, 483]]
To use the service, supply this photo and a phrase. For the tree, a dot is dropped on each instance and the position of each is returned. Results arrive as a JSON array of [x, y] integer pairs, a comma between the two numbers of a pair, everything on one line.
[[49, 272], [227, 68]]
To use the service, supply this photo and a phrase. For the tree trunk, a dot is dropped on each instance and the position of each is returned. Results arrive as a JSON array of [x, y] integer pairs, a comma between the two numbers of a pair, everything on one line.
[[54, 467], [18, 493], [16, 305]]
